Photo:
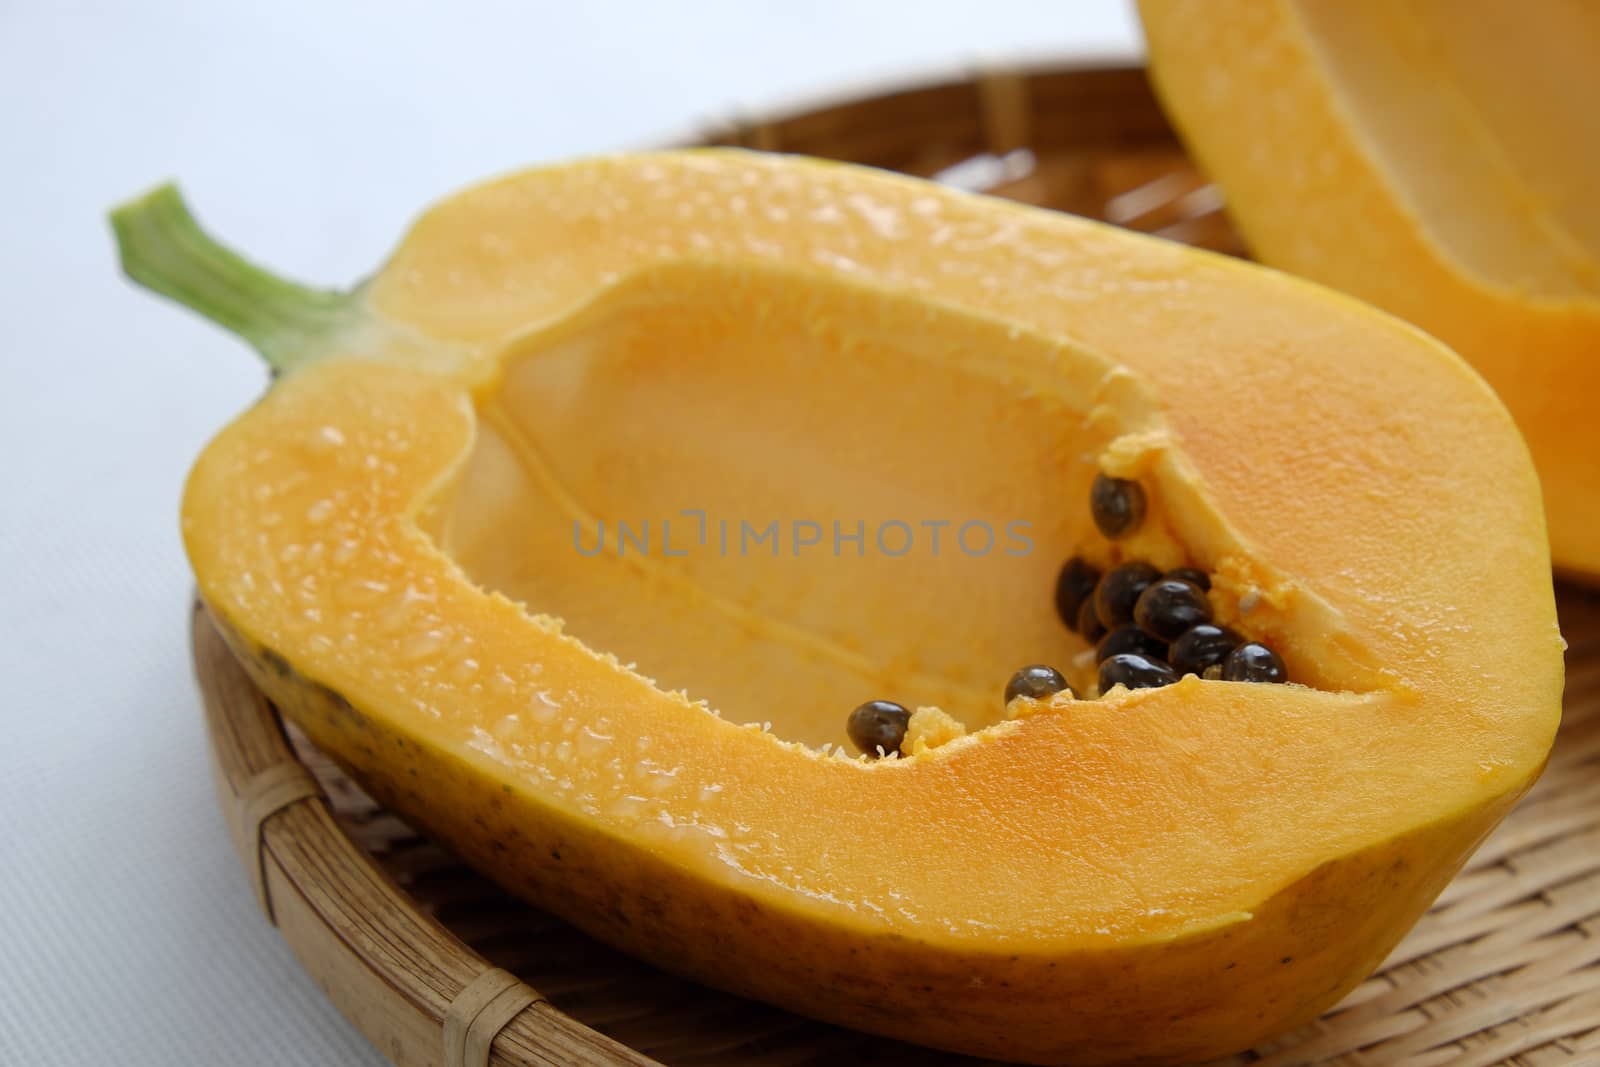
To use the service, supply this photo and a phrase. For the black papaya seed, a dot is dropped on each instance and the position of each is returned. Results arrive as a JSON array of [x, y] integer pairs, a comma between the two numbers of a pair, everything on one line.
[[1036, 682], [1170, 606], [1201, 647], [1254, 662], [1074, 585], [878, 724], [1135, 672], [1129, 638], [1192, 574], [1117, 505], [1119, 590]]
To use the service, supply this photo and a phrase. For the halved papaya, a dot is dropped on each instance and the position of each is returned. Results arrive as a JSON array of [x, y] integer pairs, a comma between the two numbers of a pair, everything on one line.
[[1437, 158], [403, 540]]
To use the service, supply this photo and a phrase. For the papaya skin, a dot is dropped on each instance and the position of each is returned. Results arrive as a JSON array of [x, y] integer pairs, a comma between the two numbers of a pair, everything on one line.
[[1167, 874], [1136, 1004], [1304, 128]]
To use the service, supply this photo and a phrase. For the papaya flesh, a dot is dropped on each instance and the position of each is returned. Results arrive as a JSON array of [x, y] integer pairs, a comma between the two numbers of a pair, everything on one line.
[[639, 742], [1439, 159]]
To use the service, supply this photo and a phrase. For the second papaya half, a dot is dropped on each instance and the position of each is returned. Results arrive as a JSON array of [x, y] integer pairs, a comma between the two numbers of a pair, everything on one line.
[[1439, 158]]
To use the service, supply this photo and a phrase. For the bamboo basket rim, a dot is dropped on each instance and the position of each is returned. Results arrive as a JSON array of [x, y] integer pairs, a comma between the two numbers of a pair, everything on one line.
[[909, 79], [1504, 969]]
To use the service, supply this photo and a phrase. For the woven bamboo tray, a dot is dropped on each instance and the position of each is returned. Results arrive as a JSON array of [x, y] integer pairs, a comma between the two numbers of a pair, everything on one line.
[[437, 966]]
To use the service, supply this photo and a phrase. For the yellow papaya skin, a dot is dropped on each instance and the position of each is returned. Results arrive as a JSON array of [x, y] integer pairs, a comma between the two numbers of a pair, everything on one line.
[[1170, 1003]]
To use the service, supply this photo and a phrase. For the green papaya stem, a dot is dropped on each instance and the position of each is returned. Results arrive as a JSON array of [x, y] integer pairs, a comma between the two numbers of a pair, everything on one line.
[[164, 249]]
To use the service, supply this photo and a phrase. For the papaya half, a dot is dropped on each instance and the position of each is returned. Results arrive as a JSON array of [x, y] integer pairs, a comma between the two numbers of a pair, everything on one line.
[[402, 542], [1437, 158]]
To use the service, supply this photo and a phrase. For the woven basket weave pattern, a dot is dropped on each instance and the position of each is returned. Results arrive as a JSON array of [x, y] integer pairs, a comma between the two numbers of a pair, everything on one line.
[[1504, 969]]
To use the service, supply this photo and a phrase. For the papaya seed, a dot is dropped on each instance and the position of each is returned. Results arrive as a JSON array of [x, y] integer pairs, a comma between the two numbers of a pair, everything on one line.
[[1036, 682], [1254, 662], [1135, 672], [1169, 607], [1117, 505], [1119, 590], [1129, 638], [878, 727], [1074, 585]]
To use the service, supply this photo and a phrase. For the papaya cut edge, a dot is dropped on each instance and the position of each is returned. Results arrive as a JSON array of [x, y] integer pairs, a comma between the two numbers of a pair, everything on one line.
[[368, 535]]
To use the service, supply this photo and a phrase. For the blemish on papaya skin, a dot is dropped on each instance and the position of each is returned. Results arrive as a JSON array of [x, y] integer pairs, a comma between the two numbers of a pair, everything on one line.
[[335, 708], [274, 661]]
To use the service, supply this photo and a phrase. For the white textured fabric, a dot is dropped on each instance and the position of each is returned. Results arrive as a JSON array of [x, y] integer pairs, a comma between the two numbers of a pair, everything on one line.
[[306, 133]]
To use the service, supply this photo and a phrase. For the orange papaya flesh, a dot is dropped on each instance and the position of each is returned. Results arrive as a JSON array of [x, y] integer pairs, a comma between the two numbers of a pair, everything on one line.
[[1437, 159], [639, 743]]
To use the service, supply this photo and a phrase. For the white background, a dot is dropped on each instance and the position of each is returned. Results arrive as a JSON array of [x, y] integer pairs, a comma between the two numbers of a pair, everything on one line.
[[307, 134]]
